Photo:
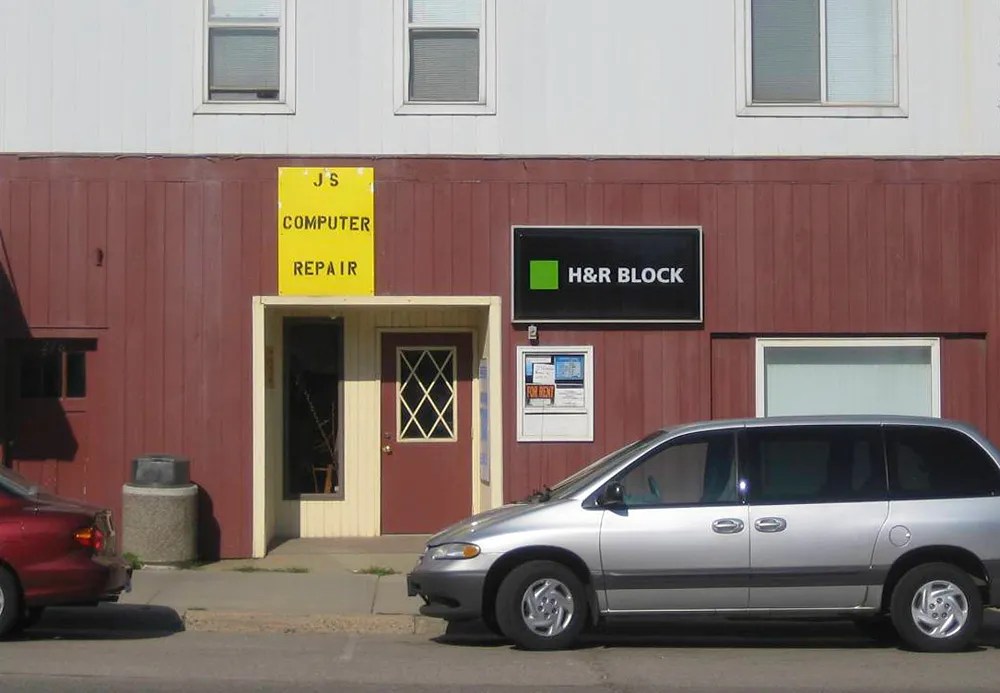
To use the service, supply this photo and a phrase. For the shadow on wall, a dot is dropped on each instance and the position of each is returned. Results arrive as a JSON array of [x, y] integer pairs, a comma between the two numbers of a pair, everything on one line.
[[209, 533], [32, 427]]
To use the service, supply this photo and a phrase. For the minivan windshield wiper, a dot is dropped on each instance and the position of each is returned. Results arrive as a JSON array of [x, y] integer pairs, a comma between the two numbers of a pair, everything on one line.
[[540, 495]]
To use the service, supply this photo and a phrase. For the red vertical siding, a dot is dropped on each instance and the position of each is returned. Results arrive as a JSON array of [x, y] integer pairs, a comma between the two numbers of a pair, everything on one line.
[[963, 381], [791, 247]]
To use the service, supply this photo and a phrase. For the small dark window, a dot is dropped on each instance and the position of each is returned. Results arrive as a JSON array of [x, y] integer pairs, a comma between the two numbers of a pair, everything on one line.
[[41, 372], [53, 368], [815, 464], [695, 470], [929, 462], [76, 374]]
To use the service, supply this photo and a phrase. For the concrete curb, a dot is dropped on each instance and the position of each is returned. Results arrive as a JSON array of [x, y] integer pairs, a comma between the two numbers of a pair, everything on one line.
[[209, 621]]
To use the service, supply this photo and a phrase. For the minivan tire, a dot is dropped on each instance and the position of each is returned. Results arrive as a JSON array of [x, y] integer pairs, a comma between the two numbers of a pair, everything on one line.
[[509, 605], [11, 599], [906, 591]]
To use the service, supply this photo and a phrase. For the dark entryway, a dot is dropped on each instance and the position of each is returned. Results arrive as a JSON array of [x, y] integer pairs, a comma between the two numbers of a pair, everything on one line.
[[313, 367]]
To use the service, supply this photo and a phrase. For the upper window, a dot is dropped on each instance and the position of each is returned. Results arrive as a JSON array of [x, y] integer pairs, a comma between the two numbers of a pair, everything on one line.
[[837, 55], [696, 470], [446, 49], [815, 464], [938, 463], [247, 56]]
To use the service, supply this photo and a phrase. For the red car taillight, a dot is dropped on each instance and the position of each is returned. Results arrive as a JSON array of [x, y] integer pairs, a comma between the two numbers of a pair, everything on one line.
[[90, 537]]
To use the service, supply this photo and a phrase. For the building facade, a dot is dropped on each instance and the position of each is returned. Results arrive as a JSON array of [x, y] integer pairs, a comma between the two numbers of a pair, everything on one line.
[[802, 197]]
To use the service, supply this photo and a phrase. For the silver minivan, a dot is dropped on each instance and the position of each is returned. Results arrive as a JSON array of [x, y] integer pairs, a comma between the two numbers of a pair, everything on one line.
[[892, 522]]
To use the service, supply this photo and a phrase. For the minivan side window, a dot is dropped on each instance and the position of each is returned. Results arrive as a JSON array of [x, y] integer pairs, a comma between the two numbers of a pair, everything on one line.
[[815, 464], [927, 462], [699, 469]]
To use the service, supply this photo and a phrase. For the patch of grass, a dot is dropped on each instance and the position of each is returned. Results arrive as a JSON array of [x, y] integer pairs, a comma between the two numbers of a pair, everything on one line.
[[377, 570], [133, 560], [297, 570]]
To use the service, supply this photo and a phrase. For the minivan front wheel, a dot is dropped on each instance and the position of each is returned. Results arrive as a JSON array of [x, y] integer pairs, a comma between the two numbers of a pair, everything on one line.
[[542, 605], [937, 608]]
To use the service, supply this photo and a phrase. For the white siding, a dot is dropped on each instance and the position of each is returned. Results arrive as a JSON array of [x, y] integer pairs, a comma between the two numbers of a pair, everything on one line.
[[574, 77]]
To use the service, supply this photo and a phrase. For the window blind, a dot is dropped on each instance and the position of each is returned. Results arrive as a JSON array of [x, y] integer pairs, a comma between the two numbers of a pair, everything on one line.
[[245, 10], [444, 45], [860, 52], [445, 12], [786, 51], [444, 65], [243, 60]]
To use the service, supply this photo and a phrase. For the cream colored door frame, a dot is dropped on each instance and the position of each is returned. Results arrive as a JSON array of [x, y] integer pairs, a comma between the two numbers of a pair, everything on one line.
[[489, 344]]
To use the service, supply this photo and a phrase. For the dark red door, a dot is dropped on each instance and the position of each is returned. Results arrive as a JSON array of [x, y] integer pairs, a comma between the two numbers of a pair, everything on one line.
[[426, 431]]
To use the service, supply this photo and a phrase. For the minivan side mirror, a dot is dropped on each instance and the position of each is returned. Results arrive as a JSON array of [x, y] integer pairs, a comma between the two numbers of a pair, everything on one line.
[[613, 495]]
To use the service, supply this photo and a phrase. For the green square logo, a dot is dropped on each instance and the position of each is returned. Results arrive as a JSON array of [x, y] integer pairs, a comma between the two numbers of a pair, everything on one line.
[[543, 275]]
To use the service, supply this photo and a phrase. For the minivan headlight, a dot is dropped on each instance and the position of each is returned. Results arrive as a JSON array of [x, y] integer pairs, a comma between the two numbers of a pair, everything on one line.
[[453, 552]]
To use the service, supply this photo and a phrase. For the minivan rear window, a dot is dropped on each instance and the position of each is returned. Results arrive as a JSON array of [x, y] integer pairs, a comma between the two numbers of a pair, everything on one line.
[[927, 463]]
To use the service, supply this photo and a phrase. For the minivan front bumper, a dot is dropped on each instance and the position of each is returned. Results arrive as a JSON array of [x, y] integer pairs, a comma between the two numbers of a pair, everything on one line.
[[449, 595]]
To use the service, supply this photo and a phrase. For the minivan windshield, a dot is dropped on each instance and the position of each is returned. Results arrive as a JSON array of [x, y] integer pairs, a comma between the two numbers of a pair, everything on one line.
[[12, 482], [579, 480]]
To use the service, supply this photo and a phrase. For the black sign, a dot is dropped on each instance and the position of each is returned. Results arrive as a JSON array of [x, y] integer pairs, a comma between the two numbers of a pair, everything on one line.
[[607, 274]]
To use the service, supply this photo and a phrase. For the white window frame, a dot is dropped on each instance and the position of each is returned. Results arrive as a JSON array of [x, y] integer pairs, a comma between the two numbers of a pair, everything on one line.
[[934, 343], [285, 105], [487, 68], [399, 395], [745, 107]]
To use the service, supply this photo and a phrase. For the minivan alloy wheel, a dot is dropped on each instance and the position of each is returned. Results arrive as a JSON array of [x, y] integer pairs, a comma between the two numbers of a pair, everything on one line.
[[936, 607], [547, 607], [939, 609]]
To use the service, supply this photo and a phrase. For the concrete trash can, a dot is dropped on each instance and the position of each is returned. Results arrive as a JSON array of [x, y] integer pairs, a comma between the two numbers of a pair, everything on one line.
[[160, 511]]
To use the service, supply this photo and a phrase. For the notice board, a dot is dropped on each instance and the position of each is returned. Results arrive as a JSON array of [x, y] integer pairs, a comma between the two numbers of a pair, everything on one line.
[[555, 394]]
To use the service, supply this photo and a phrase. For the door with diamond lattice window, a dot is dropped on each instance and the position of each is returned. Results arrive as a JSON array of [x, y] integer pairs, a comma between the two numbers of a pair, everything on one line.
[[426, 431]]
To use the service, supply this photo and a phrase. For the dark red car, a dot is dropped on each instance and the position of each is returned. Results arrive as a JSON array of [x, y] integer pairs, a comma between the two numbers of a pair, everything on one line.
[[53, 552]]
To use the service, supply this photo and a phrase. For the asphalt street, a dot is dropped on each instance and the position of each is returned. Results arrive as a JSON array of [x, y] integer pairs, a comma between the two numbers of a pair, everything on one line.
[[690, 657]]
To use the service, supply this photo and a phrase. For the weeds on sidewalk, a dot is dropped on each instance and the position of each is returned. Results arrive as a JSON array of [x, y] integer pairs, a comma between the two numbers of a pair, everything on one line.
[[134, 561], [379, 570], [257, 569]]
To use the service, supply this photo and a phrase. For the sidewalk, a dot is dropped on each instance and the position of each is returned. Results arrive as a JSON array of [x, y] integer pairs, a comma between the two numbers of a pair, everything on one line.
[[301, 586]]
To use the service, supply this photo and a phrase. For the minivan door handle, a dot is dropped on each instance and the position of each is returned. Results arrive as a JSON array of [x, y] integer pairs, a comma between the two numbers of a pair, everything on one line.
[[770, 524], [729, 525]]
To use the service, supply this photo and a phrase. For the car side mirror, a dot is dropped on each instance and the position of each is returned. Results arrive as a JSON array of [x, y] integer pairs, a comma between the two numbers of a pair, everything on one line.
[[614, 495]]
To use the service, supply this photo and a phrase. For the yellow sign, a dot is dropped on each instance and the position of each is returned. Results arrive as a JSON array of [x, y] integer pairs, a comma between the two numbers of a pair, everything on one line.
[[326, 231]]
